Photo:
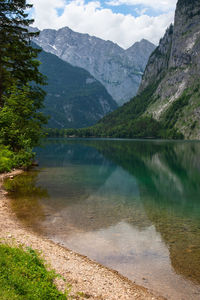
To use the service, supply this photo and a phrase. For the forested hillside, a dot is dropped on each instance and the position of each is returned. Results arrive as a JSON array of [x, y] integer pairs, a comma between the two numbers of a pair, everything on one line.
[[168, 101], [74, 98]]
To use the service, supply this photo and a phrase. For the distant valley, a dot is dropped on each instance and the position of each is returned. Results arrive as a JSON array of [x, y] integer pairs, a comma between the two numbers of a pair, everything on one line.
[[74, 97]]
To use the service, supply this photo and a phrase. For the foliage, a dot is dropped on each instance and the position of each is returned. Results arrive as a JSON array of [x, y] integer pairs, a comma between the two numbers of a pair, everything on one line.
[[171, 116], [128, 121], [21, 95], [131, 110], [6, 159], [10, 159], [181, 112], [24, 276], [18, 64], [20, 123]]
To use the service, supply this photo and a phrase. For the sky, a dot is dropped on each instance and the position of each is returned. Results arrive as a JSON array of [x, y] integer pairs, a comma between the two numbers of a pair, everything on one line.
[[122, 21]]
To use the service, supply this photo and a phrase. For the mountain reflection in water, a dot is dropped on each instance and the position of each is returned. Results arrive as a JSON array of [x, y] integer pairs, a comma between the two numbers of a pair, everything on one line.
[[131, 205]]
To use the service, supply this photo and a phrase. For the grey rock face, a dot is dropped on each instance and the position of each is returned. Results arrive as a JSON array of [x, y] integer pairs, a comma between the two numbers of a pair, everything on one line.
[[119, 70], [176, 59], [158, 61], [175, 62], [186, 37]]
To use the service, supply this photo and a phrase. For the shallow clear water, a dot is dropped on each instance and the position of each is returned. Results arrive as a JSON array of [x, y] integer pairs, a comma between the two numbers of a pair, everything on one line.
[[131, 205]]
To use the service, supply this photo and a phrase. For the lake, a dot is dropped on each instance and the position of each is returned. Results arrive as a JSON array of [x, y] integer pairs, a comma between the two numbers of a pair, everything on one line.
[[132, 205]]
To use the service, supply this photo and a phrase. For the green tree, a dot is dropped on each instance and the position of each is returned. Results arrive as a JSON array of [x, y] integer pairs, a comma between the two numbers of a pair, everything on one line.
[[21, 95], [20, 120], [18, 62]]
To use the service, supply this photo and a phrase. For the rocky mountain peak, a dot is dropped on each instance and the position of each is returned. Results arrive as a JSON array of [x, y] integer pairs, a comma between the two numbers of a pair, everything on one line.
[[145, 47], [119, 70]]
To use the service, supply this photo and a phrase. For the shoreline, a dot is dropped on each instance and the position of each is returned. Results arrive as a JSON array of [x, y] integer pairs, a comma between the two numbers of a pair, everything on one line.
[[92, 279]]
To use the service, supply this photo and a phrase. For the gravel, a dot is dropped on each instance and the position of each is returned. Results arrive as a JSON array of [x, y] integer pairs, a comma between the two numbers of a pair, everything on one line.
[[78, 272]]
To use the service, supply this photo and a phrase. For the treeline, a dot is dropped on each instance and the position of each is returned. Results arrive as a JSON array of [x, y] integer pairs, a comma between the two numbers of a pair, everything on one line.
[[142, 128], [132, 120], [21, 96], [129, 121]]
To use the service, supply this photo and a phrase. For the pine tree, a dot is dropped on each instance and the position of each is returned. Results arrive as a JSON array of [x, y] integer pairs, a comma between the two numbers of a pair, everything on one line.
[[18, 62], [21, 95]]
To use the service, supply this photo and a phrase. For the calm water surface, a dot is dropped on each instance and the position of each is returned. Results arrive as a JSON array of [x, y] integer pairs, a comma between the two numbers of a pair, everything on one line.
[[131, 205]]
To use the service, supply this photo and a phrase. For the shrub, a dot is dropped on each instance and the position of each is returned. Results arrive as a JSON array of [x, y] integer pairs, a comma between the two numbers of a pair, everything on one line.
[[6, 159]]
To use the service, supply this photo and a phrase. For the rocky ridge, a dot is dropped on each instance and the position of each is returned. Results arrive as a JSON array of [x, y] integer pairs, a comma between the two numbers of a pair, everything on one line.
[[119, 70], [175, 66]]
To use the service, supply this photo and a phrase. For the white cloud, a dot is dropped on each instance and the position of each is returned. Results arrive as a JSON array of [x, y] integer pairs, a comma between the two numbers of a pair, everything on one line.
[[141, 11], [162, 5], [95, 20]]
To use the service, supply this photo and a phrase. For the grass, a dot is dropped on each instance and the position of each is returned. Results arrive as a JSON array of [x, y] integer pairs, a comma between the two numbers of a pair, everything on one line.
[[23, 276]]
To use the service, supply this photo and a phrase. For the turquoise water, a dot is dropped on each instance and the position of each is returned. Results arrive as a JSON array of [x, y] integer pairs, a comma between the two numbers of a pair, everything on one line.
[[133, 206]]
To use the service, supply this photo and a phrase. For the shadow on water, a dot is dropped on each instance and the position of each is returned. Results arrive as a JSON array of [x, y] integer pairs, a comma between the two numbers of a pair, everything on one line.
[[127, 204], [25, 197]]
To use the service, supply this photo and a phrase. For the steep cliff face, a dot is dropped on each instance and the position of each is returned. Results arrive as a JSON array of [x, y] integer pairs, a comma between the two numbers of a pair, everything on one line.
[[175, 65], [158, 62], [168, 101], [119, 70]]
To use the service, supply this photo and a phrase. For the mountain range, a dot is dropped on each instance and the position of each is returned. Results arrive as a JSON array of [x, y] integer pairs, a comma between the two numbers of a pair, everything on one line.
[[168, 101], [120, 71], [74, 98]]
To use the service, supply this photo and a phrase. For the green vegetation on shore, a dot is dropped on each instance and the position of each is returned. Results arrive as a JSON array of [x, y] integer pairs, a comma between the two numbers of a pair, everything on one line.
[[24, 276], [21, 96], [10, 160], [7, 161]]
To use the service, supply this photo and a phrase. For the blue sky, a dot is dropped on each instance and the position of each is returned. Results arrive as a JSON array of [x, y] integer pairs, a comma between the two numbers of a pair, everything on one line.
[[121, 21], [134, 9]]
